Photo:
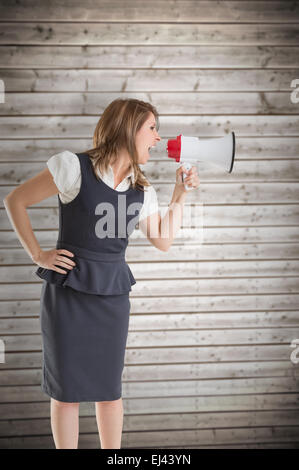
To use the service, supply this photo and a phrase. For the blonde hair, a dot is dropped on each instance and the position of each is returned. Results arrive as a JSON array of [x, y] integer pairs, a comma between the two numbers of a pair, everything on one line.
[[116, 130]]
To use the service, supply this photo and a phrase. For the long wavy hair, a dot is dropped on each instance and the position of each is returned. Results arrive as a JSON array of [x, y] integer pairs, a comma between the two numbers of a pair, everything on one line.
[[116, 130]]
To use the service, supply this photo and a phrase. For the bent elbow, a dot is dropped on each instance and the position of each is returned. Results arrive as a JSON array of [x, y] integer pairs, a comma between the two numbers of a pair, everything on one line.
[[8, 198], [165, 248]]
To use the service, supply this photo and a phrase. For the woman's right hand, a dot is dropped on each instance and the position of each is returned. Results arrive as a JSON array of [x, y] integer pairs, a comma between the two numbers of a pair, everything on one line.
[[49, 259]]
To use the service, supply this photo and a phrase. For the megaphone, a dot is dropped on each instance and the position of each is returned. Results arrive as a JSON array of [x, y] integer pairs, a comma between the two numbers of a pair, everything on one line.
[[190, 150]]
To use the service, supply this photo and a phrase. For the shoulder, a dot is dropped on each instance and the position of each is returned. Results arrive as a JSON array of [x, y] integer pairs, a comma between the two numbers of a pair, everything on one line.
[[63, 158], [65, 169]]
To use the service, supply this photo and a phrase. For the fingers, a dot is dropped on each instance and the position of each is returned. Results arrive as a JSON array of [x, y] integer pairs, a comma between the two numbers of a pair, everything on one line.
[[65, 252], [192, 178], [55, 268], [63, 261], [63, 258], [193, 170]]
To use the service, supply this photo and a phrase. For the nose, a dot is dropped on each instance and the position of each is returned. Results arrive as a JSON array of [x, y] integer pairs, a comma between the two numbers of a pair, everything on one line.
[[158, 137]]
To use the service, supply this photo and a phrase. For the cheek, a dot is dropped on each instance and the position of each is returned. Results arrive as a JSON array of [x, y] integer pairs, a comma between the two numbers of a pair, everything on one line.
[[140, 143], [141, 139]]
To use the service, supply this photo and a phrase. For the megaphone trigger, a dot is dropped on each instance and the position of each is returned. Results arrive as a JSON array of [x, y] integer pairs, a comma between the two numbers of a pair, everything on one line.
[[186, 165]]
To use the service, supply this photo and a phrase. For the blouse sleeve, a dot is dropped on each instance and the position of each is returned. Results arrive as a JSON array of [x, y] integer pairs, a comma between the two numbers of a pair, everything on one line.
[[66, 172], [150, 203]]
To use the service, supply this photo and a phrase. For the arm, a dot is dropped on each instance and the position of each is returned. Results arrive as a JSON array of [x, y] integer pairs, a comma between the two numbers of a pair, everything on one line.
[[34, 190], [161, 231]]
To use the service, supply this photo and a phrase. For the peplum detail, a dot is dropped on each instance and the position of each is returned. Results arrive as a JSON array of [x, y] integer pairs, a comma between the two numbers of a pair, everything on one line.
[[94, 273]]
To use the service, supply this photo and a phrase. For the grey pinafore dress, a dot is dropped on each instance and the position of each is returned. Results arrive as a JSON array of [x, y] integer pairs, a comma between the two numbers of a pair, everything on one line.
[[84, 314]]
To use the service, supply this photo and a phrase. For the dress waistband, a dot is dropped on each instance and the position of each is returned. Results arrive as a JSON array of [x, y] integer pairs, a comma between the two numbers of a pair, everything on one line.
[[88, 254]]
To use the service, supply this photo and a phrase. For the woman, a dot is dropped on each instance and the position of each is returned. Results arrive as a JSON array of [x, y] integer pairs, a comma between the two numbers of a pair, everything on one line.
[[86, 281]]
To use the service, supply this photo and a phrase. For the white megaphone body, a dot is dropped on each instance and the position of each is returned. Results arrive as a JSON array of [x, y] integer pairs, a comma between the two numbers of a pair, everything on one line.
[[190, 150]]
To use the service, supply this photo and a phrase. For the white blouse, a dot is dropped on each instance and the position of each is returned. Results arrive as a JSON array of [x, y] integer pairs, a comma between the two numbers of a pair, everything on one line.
[[66, 171]]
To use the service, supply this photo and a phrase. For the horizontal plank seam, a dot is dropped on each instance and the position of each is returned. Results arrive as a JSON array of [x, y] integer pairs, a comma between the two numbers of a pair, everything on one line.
[[255, 22], [153, 45], [206, 91]]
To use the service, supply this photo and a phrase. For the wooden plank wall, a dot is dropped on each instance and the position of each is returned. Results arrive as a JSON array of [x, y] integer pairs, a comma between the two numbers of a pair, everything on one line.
[[208, 353]]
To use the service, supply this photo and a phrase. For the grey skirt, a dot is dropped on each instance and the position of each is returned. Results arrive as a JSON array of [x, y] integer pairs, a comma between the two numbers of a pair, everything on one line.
[[84, 340]]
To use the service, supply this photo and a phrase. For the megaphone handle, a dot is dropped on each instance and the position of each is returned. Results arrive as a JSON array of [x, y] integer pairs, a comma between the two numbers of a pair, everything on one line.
[[188, 167]]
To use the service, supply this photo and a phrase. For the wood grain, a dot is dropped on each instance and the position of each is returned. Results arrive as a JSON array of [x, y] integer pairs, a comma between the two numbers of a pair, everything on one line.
[[207, 362]]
